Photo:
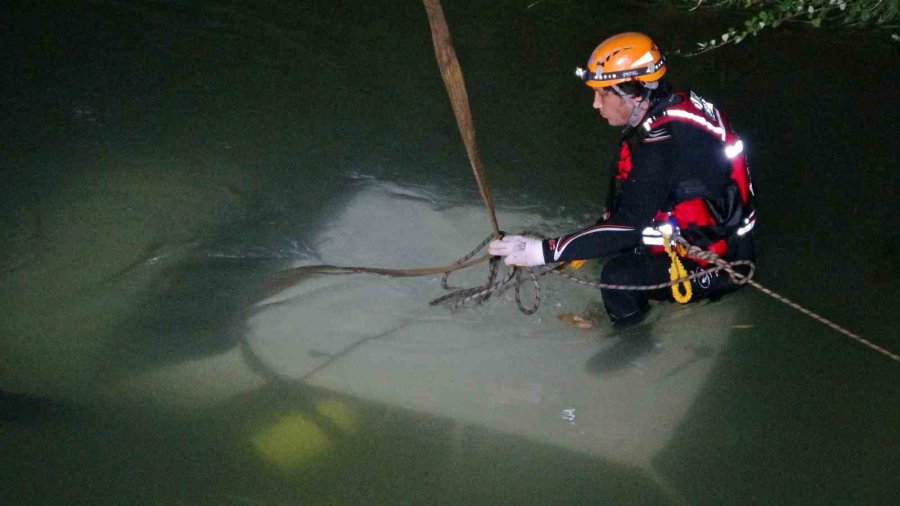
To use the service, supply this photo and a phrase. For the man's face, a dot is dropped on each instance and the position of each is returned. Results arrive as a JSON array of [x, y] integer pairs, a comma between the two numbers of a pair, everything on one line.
[[612, 107]]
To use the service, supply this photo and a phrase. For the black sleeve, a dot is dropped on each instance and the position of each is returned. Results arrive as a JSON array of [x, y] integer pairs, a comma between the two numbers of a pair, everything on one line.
[[643, 194]]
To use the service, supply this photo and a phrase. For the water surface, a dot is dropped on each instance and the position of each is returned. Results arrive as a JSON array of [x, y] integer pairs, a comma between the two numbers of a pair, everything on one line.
[[161, 159]]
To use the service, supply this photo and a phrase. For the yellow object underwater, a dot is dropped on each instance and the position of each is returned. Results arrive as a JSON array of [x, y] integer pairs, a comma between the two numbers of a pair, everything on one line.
[[297, 438]]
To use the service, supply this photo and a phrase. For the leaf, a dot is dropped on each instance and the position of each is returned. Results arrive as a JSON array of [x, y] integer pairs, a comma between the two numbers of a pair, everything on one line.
[[574, 320]]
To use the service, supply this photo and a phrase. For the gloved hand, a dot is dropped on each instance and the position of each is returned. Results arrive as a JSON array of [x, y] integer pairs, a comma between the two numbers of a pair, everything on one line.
[[521, 250]]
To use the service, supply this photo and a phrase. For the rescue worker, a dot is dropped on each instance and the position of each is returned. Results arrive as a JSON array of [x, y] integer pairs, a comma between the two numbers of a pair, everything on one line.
[[679, 169]]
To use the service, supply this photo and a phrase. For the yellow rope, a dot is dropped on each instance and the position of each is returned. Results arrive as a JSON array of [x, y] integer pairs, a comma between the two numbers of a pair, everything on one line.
[[676, 272]]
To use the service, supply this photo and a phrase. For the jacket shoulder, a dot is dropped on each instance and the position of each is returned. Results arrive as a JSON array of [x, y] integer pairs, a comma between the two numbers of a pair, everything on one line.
[[689, 111]]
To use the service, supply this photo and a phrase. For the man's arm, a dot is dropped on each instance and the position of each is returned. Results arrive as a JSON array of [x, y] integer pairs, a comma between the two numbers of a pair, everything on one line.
[[643, 194]]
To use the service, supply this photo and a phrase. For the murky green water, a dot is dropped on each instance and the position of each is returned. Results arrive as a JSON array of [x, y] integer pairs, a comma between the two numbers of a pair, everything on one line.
[[160, 159]]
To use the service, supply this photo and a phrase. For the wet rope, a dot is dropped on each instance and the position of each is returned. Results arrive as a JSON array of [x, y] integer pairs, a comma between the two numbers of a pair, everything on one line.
[[709, 256], [451, 72], [287, 278], [825, 321], [513, 278]]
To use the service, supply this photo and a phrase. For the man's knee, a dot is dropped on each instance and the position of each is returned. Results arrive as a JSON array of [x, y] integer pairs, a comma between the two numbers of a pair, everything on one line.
[[619, 271], [623, 305]]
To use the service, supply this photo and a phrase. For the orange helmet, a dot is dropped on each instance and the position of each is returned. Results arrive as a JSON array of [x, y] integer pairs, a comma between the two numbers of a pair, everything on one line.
[[628, 56]]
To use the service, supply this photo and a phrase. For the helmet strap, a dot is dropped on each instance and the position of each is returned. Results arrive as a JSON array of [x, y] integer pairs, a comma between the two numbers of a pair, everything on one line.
[[635, 104]]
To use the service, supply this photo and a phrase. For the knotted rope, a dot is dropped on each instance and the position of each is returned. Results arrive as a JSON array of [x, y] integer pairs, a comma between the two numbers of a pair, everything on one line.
[[513, 278]]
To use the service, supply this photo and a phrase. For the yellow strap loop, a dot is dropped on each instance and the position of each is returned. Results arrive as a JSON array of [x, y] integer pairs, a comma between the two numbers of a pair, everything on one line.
[[677, 271]]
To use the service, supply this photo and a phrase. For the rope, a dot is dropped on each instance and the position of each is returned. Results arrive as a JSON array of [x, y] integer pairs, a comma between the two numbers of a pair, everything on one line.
[[456, 89], [287, 278], [695, 252], [825, 321], [513, 278], [479, 294], [451, 72]]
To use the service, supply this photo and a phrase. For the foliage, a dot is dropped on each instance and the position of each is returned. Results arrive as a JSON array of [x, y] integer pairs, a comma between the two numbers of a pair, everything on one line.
[[772, 13]]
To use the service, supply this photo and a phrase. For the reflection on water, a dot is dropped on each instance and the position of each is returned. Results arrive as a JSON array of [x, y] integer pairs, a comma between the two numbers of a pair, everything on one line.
[[161, 159]]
